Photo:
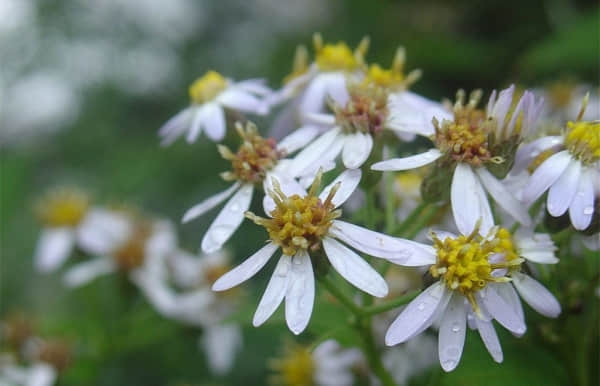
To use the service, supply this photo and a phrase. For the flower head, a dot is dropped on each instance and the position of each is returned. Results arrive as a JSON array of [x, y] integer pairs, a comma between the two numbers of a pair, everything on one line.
[[207, 87], [339, 57], [392, 79], [63, 207]]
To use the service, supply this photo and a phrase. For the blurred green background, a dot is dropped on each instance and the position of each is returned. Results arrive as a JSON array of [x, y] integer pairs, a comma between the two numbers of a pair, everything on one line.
[[85, 85]]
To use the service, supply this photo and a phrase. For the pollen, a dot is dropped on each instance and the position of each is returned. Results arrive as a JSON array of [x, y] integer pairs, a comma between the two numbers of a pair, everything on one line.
[[339, 57], [295, 368], [468, 263], [394, 78], [63, 207], [207, 87], [131, 253], [365, 112], [298, 223], [583, 141], [253, 159], [465, 139]]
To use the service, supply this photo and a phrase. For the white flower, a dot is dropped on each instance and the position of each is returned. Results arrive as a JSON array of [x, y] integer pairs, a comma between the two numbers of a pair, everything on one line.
[[255, 161], [36, 374], [69, 221], [210, 95], [475, 275], [301, 225], [329, 364], [571, 176], [138, 251], [410, 359], [466, 144]]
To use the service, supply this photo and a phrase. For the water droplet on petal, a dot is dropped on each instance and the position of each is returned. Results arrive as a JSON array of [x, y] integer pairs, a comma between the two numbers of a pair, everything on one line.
[[449, 363], [220, 234], [421, 306], [234, 207], [588, 210], [455, 327]]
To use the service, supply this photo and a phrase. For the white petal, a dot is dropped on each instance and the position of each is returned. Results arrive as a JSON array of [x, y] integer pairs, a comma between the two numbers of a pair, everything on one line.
[[354, 269], [336, 89], [53, 248], [377, 244], [83, 273], [357, 148], [209, 203], [410, 112], [240, 100], [490, 339], [289, 187], [255, 86], [221, 343], [545, 175], [275, 291], [214, 122], [313, 152], [582, 207], [469, 203], [103, 230], [451, 338], [228, 220], [502, 105], [528, 152], [502, 311], [175, 126], [313, 98], [503, 197], [418, 314], [300, 294], [246, 270], [536, 247], [562, 192], [320, 119], [298, 139], [199, 115], [408, 163], [40, 374], [348, 180], [536, 295], [511, 297]]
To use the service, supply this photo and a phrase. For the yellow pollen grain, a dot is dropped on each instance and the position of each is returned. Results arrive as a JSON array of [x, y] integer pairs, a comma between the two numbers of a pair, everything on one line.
[[583, 141], [62, 207], [207, 87]]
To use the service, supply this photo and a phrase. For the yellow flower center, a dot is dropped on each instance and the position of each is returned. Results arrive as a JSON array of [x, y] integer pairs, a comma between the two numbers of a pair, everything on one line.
[[408, 184], [295, 368], [338, 57], [466, 138], [299, 222], [254, 158], [62, 207], [394, 78], [131, 253], [463, 263], [207, 87], [583, 141], [365, 111]]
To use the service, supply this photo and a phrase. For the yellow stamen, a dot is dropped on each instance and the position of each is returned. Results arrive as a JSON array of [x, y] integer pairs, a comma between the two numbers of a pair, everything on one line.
[[207, 87], [583, 141], [366, 110], [295, 368], [62, 207], [394, 78], [339, 57]]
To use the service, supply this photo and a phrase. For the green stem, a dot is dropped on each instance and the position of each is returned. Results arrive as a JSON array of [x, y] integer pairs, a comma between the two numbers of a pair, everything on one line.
[[411, 218], [426, 216], [373, 357], [390, 305], [328, 283], [390, 210]]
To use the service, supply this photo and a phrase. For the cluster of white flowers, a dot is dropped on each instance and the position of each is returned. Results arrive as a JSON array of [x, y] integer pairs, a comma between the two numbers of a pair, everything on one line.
[[480, 254]]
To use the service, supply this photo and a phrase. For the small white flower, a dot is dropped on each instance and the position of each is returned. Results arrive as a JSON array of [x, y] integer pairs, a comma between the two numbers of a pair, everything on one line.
[[464, 141], [302, 224], [256, 159], [329, 364], [35, 374], [570, 174], [211, 95], [475, 275], [69, 221]]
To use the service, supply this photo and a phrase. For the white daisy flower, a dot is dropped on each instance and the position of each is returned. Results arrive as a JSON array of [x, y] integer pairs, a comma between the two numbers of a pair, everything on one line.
[[475, 275], [210, 95], [68, 222], [256, 159], [302, 224], [329, 364], [474, 141], [138, 251], [571, 175], [193, 303]]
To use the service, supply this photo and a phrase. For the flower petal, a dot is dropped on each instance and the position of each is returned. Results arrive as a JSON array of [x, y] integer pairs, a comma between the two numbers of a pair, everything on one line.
[[490, 339], [300, 294], [199, 116], [354, 269], [451, 338], [348, 180], [357, 148], [313, 152], [418, 314], [221, 343], [228, 220], [408, 163], [545, 175], [511, 297], [503, 197], [377, 244], [214, 122], [502, 311], [562, 192], [536, 295], [289, 187], [53, 248], [209, 203], [102, 230], [241, 100], [526, 153], [83, 273], [582, 207], [275, 292], [246, 270], [313, 99], [297, 139], [175, 126], [469, 202]]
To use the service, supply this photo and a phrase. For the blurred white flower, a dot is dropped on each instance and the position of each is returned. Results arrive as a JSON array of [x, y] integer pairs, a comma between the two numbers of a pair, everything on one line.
[[35, 374]]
